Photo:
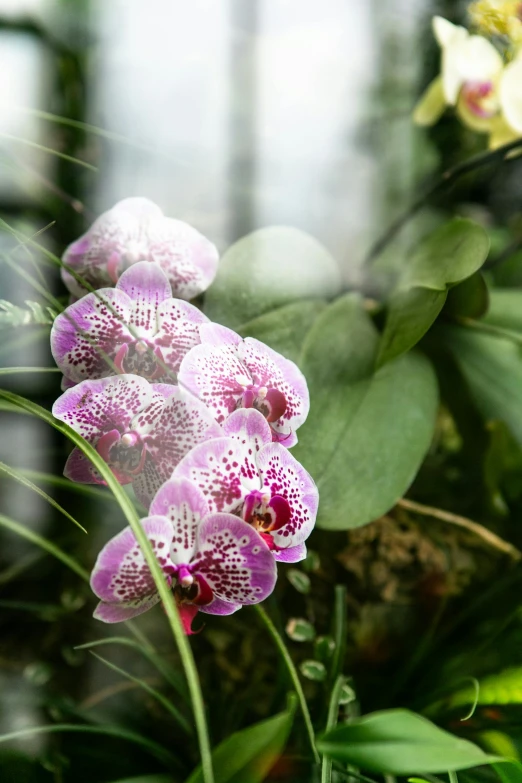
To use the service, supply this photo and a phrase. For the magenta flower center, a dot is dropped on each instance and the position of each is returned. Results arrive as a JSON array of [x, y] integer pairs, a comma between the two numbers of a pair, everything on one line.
[[140, 358], [267, 400], [479, 98], [124, 453], [266, 513]]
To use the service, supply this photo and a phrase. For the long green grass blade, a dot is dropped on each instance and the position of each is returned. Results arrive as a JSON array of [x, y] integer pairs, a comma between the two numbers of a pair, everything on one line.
[[49, 150], [98, 493], [292, 671], [15, 370], [164, 591], [43, 543], [176, 714], [109, 731], [171, 676], [14, 474]]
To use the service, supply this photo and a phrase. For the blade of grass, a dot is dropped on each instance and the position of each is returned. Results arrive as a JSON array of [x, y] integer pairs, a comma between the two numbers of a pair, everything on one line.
[[164, 591], [170, 675], [58, 481], [43, 543], [14, 474], [57, 153], [176, 714], [331, 721], [111, 731], [292, 671], [14, 370]]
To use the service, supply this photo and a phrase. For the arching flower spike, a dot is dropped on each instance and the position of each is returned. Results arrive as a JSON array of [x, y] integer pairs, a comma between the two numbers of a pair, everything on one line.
[[141, 430], [136, 328], [136, 229], [214, 563], [226, 372], [246, 474]]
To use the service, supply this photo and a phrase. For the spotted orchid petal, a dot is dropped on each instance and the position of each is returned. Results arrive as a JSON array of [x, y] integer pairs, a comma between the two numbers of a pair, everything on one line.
[[95, 407], [136, 230], [121, 577], [234, 560], [285, 477], [260, 481], [226, 372], [185, 506], [180, 425], [293, 554], [136, 328]]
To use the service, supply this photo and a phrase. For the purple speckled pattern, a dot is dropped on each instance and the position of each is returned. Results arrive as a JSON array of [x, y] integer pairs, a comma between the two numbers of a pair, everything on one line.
[[243, 473], [215, 563], [141, 430], [226, 372], [134, 230], [136, 328]]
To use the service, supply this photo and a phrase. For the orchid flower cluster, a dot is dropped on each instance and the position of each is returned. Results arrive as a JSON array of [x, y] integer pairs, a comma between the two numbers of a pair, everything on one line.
[[481, 74], [197, 419]]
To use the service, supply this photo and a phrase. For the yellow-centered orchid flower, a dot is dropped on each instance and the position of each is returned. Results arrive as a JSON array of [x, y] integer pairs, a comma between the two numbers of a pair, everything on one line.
[[498, 17]]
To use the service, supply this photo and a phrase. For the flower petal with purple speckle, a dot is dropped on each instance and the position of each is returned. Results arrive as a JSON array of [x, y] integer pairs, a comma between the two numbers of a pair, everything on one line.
[[141, 430], [135, 229], [226, 373], [215, 563], [135, 328], [256, 479]]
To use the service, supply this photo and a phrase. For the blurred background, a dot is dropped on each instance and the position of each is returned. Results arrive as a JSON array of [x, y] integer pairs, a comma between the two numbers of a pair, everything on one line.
[[231, 115]]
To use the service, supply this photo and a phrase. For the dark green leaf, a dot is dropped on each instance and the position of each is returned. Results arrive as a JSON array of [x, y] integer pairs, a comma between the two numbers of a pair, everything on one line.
[[367, 433], [400, 742], [469, 298], [505, 309], [447, 256], [268, 269], [492, 368], [248, 755], [285, 329], [509, 771]]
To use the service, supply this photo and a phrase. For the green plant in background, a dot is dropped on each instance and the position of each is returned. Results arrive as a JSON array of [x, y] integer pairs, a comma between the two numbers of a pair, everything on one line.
[[390, 625]]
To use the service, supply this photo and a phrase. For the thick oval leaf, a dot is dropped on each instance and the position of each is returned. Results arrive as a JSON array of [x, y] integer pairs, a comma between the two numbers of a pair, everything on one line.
[[248, 755], [267, 269], [285, 329], [505, 309], [367, 433], [492, 368], [400, 742], [447, 256]]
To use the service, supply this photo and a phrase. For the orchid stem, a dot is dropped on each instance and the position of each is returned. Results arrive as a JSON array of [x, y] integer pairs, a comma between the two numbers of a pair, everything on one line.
[[331, 722], [292, 671]]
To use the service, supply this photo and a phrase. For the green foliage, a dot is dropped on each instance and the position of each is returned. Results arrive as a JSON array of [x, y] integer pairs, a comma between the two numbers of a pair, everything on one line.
[[449, 255], [502, 688], [313, 670], [367, 432], [469, 299], [248, 755], [492, 368], [300, 630], [267, 269], [285, 329], [12, 316], [505, 309], [400, 742]]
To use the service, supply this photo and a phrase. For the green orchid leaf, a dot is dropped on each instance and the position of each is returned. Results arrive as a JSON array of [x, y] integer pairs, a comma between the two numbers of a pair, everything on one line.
[[446, 257], [492, 369], [285, 329], [248, 755], [267, 269], [367, 432], [400, 742]]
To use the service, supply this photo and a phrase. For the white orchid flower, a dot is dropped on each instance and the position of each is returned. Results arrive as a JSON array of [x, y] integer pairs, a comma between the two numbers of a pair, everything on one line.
[[471, 72]]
